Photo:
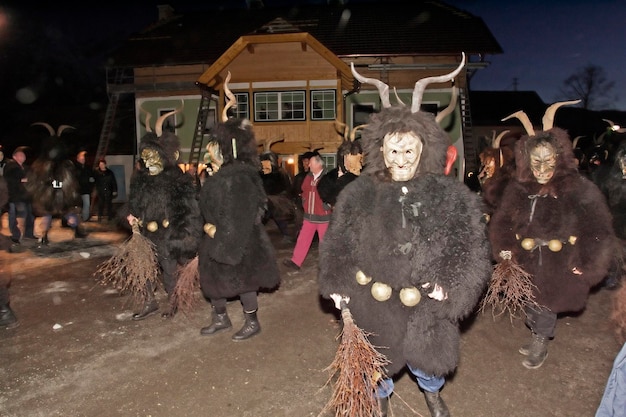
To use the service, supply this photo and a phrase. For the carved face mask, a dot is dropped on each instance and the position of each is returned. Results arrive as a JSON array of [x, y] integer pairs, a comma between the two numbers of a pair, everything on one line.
[[402, 152], [266, 166], [489, 168], [543, 162], [152, 160], [353, 163], [215, 156]]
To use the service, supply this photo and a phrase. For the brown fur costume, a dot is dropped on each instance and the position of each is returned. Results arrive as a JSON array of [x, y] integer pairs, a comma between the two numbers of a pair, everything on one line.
[[567, 206], [240, 257], [443, 242]]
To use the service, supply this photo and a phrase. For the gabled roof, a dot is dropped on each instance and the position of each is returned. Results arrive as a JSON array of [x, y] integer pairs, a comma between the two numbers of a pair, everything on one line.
[[418, 27]]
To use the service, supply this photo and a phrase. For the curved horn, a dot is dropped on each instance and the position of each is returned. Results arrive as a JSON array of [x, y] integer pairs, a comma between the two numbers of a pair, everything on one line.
[[496, 142], [448, 110], [383, 89], [523, 117], [148, 117], [420, 86], [231, 100], [575, 141], [62, 128], [269, 142], [158, 126], [339, 126], [548, 117], [395, 93], [46, 125], [354, 130]]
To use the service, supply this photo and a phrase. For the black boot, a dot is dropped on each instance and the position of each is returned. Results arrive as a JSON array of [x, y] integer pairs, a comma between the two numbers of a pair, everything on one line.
[[7, 317], [44, 240], [250, 327], [149, 308], [436, 405], [220, 322], [80, 232], [536, 352]]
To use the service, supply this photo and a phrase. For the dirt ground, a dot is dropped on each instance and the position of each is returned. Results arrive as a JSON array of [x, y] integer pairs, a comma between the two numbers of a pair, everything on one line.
[[77, 353]]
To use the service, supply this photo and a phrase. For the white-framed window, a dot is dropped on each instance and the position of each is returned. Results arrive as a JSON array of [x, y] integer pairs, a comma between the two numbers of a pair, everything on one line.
[[323, 105], [361, 113], [279, 106], [242, 109]]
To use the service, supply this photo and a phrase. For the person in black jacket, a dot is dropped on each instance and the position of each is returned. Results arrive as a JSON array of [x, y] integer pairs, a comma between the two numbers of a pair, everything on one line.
[[106, 187], [20, 202], [86, 181]]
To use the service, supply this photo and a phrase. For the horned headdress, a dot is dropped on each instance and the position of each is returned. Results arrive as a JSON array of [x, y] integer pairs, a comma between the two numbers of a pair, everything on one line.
[[166, 143]]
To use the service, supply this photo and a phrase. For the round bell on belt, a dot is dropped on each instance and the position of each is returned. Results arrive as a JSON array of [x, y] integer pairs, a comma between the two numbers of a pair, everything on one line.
[[380, 291], [166, 223], [528, 243], [209, 229], [410, 296], [362, 279], [555, 245], [152, 226]]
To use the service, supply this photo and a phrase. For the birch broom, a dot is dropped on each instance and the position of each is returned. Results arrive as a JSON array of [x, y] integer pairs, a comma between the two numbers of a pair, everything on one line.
[[133, 266], [358, 367]]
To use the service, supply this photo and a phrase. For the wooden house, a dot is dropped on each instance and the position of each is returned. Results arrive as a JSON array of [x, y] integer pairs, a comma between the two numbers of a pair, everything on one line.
[[290, 69]]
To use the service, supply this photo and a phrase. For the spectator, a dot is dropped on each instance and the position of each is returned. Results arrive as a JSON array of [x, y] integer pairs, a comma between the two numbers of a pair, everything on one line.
[[20, 202], [86, 181], [316, 213], [106, 189]]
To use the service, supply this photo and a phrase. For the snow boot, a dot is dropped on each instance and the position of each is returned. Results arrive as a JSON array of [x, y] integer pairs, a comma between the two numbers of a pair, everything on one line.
[[149, 308], [436, 405], [250, 327], [537, 352], [220, 322]]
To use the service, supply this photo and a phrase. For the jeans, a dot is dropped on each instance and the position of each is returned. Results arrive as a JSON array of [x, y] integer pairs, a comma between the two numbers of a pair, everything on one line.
[[24, 210], [85, 214], [71, 218], [426, 382]]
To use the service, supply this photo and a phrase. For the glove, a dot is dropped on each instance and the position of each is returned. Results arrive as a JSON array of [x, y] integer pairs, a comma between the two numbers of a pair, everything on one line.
[[337, 298]]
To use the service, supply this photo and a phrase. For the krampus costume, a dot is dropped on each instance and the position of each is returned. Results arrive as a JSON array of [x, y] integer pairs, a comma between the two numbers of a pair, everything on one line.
[[277, 186], [497, 166], [555, 224], [53, 184], [236, 257], [163, 199], [407, 247]]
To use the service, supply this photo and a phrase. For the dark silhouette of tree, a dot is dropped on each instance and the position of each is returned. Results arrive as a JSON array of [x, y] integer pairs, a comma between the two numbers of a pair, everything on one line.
[[590, 85]]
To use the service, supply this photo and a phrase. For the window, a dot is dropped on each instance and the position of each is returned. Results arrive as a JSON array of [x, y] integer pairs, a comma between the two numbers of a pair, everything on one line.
[[361, 113], [275, 106], [323, 105], [242, 109], [169, 124]]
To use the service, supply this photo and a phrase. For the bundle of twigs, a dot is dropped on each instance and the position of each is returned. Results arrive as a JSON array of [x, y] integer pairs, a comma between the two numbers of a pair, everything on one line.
[[510, 289], [134, 267], [185, 295], [358, 367]]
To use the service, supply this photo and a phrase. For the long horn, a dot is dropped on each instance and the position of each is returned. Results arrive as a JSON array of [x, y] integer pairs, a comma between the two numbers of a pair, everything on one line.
[[523, 117], [575, 141], [231, 99], [62, 128], [354, 130], [158, 126], [395, 93], [383, 89], [548, 117], [448, 110], [148, 117], [420, 86], [46, 125], [269, 142], [496, 142]]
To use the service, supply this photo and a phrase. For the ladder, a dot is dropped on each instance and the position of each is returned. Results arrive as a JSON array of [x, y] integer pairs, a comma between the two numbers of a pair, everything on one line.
[[198, 135], [469, 147], [107, 127]]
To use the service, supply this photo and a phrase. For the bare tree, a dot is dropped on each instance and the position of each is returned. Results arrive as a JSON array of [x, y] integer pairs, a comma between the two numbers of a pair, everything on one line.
[[590, 85]]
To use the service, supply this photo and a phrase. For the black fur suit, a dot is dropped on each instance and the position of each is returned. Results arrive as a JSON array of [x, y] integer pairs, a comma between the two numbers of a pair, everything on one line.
[[240, 257], [407, 234], [171, 197]]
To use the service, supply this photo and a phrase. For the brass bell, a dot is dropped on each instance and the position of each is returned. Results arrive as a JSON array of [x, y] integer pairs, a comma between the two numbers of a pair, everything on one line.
[[555, 245], [166, 223], [362, 279], [380, 291], [572, 240], [528, 243], [410, 296], [152, 226], [209, 229]]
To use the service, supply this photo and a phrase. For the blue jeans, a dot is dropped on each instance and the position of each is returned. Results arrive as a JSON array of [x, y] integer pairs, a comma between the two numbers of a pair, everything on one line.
[[71, 218], [85, 214], [426, 382], [24, 210]]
